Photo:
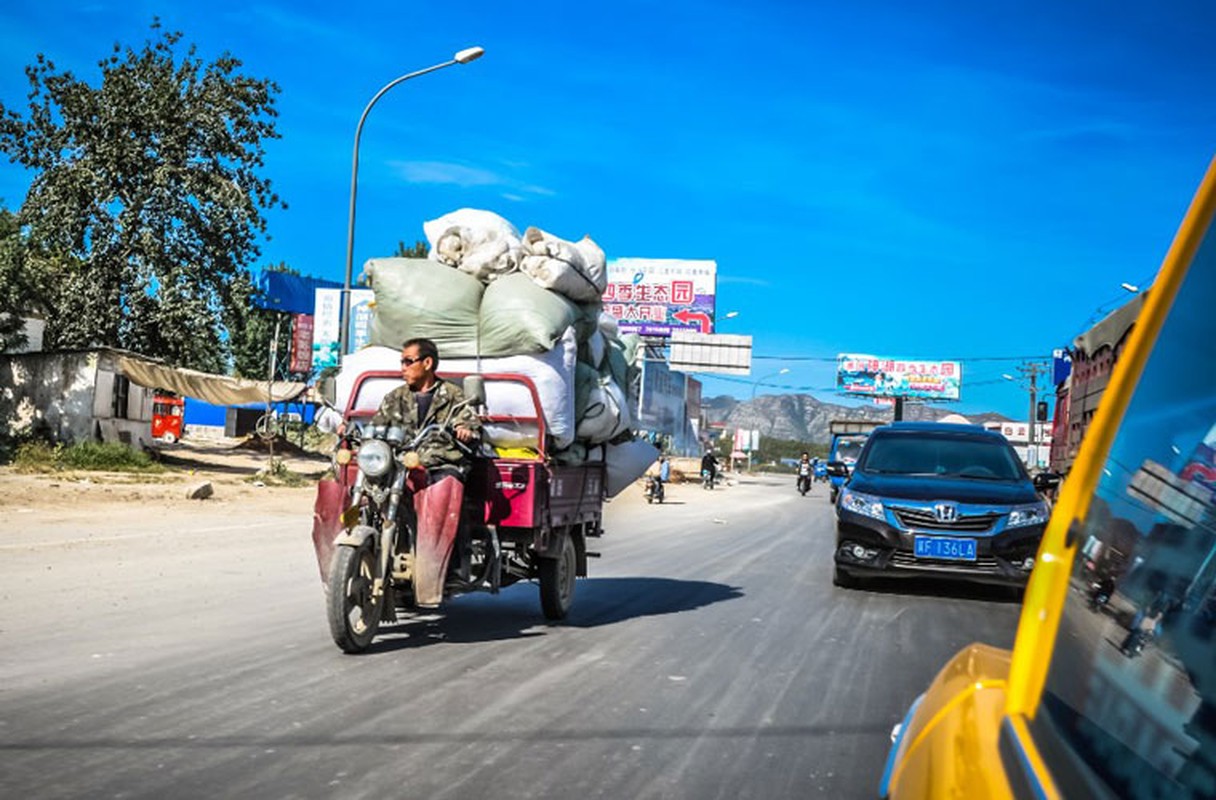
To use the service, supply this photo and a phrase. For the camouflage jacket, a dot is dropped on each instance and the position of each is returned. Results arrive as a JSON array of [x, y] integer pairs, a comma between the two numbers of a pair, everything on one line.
[[400, 407]]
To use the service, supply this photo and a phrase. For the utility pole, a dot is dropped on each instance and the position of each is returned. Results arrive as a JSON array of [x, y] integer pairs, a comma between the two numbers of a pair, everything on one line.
[[1031, 370]]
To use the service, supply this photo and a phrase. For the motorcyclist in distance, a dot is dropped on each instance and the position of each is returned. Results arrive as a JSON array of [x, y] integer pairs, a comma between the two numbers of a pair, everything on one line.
[[709, 463], [805, 472]]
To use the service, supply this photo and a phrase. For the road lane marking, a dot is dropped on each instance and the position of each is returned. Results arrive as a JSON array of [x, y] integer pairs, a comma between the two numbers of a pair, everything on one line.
[[125, 536]]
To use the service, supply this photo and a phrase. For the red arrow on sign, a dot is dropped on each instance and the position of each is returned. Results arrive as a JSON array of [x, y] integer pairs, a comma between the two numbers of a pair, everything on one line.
[[690, 317]]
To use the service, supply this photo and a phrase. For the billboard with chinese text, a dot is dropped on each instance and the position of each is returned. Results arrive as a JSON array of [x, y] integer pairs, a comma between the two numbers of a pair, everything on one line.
[[654, 296], [327, 324], [301, 344], [873, 376], [1200, 468]]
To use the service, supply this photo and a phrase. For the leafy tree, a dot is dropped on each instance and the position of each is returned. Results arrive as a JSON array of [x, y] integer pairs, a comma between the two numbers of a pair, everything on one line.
[[17, 283], [418, 249], [774, 449], [146, 205]]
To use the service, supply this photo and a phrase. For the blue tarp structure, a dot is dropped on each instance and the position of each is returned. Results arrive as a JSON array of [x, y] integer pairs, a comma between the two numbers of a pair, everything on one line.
[[200, 413], [294, 294]]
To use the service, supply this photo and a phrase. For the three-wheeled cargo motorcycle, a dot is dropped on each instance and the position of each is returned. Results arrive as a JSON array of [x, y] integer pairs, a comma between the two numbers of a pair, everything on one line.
[[518, 515]]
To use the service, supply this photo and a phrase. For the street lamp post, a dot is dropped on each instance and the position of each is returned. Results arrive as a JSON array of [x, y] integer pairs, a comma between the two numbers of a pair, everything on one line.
[[463, 57], [755, 384]]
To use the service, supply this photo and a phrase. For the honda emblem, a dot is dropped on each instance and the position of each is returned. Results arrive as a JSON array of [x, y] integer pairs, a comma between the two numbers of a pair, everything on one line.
[[945, 512]]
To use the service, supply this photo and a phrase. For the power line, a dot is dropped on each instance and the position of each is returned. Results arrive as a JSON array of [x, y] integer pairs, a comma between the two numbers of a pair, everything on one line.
[[963, 359]]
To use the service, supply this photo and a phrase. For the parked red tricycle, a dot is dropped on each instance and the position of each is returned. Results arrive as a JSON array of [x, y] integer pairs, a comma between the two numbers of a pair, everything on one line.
[[167, 411], [518, 516]]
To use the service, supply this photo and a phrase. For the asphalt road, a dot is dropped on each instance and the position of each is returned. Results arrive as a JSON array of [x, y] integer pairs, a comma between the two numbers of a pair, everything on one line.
[[708, 656]]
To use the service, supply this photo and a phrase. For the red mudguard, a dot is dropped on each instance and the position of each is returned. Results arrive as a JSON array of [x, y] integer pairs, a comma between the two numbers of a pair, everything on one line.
[[438, 508], [332, 499]]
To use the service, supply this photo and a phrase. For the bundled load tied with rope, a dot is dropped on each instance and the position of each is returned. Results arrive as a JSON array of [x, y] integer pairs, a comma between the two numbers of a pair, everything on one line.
[[494, 301]]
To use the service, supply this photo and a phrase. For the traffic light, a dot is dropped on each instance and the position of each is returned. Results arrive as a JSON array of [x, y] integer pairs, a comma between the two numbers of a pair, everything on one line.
[[1041, 411]]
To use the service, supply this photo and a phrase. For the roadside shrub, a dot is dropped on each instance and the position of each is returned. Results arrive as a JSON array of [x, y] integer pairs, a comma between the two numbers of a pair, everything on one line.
[[277, 474], [13, 441], [88, 456], [107, 457], [35, 456]]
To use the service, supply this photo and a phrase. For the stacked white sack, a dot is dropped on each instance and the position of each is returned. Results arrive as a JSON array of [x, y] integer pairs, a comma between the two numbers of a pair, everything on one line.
[[479, 243], [551, 372], [601, 407], [577, 270], [516, 315]]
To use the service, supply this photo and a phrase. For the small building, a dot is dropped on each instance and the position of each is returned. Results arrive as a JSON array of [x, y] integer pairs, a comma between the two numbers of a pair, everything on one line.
[[74, 396], [1094, 354], [1018, 434]]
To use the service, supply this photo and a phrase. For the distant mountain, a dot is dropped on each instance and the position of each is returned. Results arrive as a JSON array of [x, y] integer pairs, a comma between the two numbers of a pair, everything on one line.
[[803, 418]]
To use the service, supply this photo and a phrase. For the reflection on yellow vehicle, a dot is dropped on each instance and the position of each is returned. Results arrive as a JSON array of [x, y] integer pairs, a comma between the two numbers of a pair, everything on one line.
[[1112, 699]]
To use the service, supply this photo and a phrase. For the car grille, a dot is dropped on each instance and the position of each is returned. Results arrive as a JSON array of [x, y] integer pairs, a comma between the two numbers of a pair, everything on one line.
[[923, 519], [981, 564]]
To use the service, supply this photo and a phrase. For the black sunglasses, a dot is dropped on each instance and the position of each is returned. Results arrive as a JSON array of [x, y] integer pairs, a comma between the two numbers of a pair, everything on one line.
[[406, 361]]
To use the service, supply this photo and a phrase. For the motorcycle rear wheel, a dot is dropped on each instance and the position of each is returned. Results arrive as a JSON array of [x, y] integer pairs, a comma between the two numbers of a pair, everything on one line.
[[557, 580], [354, 615]]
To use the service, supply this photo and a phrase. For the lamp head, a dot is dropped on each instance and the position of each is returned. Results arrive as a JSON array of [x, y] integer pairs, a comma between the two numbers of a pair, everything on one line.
[[469, 54]]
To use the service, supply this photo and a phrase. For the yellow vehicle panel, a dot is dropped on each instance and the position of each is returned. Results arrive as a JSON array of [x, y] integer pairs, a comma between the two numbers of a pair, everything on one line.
[[969, 735], [941, 751]]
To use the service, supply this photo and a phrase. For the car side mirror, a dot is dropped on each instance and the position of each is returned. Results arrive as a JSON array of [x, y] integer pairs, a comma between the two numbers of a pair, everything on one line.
[[1046, 481], [327, 388], [475, 390], [838, 469]]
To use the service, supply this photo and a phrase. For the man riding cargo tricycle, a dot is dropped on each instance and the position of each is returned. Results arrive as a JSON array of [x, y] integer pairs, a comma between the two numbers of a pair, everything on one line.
[[395, 532]]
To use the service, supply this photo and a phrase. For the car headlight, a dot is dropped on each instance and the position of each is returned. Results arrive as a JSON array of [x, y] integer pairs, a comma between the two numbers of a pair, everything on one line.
[[860, 503], [1033, 514], [375, 457]]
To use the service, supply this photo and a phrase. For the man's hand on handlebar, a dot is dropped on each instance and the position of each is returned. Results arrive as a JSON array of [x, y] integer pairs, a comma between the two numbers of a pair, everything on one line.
[[464, 434]]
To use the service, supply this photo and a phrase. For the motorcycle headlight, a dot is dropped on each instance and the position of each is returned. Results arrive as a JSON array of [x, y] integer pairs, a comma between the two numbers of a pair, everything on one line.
[[375, 457], [860, 503], [1033, 514]]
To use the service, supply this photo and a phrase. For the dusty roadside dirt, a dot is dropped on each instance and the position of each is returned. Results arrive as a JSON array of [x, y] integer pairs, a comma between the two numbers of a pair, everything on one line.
[[230, 468]]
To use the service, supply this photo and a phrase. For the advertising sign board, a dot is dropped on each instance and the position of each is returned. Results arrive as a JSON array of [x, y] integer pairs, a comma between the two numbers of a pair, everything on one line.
[[301, 343], [1061, 365], [654, 296], [327, 324], [873, 376], [1200, 468], [728, 354], [661, 404]]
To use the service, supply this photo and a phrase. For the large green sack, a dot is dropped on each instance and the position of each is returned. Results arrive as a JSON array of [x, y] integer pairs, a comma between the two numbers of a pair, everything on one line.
[[616, 364], [586, 378], [417, 297], [518, 317]]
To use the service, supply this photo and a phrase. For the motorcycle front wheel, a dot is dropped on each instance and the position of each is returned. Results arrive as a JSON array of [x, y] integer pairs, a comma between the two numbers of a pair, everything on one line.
[[354, 614]]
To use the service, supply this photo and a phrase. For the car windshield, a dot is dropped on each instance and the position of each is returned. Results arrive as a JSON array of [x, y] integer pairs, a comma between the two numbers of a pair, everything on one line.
[[848, 450], [947, 456]]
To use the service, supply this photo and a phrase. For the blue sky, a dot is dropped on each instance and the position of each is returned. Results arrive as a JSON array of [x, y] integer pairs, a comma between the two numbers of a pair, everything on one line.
[[922, 180]]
